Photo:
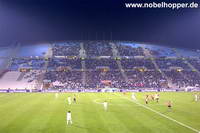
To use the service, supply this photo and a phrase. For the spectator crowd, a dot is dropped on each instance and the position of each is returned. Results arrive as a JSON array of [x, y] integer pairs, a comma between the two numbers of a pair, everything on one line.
[[97, 72]]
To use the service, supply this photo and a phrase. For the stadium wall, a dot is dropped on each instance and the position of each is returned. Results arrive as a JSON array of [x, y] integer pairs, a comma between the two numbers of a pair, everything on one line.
[[94, 90]]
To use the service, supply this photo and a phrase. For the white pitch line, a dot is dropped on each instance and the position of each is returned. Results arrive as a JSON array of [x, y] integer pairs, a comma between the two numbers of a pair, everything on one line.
[[167, 117], [95, 101]]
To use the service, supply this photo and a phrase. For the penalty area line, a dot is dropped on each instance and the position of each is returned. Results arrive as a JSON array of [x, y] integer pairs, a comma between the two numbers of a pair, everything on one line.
[[165, 116], [95, 101]]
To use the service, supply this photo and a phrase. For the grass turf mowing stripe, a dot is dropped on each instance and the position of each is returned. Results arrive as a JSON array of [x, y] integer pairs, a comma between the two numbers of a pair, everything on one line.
[[165, 116], [42, 113]]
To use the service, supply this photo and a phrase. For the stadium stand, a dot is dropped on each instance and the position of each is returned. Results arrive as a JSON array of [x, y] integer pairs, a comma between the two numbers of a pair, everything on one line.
[[99, 64]]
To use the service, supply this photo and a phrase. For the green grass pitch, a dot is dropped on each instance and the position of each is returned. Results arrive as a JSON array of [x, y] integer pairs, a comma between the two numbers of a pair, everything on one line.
[[43, 113]]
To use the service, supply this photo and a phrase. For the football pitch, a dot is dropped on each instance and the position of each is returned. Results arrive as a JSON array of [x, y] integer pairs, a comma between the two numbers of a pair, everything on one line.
[[44, 113]]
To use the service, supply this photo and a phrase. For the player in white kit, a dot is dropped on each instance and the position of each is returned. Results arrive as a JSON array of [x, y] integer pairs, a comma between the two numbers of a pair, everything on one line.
[[156, 96], [69, 100], [196, 98], [56, 95], [105, 105], [69, 117], [133, 96]]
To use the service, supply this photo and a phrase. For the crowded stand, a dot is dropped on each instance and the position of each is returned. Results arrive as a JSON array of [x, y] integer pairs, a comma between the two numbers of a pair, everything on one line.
[[131, 63], [33, 63], [183, 78], [195, 62], [98, 48], [167, 63], [60, 62], [177, 78], [32, 75], [66, 49], [100, 68], [101, 79], [64, 79], [145, 79], [125, 50], [99, 63], [193, 79]]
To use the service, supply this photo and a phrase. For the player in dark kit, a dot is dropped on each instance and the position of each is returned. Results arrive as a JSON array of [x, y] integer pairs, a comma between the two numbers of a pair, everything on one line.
[[157, 97], [146, 99], [74, 99], [152, 97], [169, 105]]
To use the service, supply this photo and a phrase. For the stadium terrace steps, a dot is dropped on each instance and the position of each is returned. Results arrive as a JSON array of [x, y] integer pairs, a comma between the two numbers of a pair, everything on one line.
[[49, 53], [11, 76], [83, 73], [192, 67], [21, 76], [169, 82], [122, 71], [10, 80], [2, 73], [114, 50], [115, 54], [146, 52], [82, 52]]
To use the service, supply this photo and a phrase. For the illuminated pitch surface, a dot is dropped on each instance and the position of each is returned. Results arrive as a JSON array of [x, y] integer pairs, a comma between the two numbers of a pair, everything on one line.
[[43, 113]]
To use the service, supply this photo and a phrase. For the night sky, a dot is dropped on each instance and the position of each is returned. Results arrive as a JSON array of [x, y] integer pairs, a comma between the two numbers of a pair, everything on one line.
[[54, 20]]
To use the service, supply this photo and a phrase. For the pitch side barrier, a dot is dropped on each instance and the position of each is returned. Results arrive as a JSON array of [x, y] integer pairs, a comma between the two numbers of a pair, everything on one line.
[[94, 90]]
